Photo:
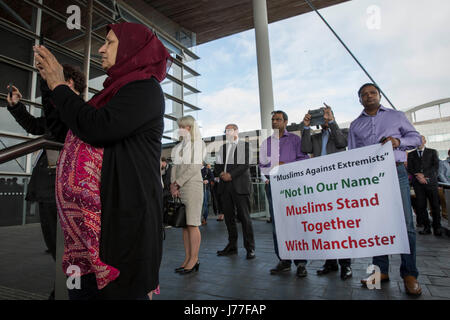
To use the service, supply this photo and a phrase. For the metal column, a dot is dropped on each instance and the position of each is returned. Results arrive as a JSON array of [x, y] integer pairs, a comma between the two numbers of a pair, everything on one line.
[[264, 66], [87, 45]]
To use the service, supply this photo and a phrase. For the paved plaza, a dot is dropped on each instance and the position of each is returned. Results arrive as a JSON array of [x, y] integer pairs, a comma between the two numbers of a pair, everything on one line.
[[27, 272]]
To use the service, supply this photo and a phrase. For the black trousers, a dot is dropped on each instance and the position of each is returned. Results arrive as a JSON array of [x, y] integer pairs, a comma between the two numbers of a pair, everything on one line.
[[430, 192], [342, 262], [237, 204], [214, 200], [47, 215]]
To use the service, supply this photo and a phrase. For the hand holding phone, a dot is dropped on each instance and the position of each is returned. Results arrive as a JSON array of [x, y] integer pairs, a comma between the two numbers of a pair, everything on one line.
[[13, 96], [10, 89]]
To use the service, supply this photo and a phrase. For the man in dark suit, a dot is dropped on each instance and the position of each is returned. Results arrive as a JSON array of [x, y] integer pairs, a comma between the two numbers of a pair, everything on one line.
[[233, 168], [331, 139], [423, 164]]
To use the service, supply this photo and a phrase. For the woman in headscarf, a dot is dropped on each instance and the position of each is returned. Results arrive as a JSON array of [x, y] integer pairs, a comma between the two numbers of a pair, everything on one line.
[[108, 185]]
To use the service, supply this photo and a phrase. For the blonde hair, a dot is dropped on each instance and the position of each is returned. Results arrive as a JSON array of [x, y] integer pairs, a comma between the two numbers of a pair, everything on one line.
[[190, 121], [192, 151]]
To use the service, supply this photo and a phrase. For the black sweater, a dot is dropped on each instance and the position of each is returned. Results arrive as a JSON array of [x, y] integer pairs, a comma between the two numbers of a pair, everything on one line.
[[41, 186], [130, 128]]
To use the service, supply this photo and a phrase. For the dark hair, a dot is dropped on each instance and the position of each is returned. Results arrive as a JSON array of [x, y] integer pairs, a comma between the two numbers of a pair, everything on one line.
[[233, 125], [367, 85], [163, 159], [285, 117], [77, 76]]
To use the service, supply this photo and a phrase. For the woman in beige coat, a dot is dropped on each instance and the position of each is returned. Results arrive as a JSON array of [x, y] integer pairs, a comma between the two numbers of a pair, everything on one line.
[[187, 184]]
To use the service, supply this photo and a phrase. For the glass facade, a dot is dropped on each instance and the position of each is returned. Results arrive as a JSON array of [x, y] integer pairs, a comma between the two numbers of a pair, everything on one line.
[[22, 23], [433, 122]]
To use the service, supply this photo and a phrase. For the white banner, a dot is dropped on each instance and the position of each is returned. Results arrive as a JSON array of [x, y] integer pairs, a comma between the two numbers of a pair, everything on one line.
[[343, 205]]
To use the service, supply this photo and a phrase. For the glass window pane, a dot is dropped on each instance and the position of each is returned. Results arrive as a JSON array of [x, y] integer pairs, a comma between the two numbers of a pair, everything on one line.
[[427, 114], [108, 3], [189, 78], [439, 137], [56, 30], [175, 70], [445, 110], [172, 88], [190, 62], [19, 77], [8, 123], [175, 108], [16, 47], [168, 107], [16, 165], [170, 128], [189, 96], [12, 201], [24, 12]]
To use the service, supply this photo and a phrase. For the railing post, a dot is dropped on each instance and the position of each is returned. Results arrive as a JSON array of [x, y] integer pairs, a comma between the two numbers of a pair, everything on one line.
[[60, 278], [24, 209]]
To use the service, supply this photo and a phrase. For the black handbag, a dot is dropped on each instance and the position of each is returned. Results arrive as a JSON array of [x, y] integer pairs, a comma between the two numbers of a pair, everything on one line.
[[176, 213]]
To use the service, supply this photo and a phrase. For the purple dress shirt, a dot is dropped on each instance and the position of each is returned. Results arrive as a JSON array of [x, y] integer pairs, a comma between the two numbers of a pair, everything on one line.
[[289, 150], [367, 130]]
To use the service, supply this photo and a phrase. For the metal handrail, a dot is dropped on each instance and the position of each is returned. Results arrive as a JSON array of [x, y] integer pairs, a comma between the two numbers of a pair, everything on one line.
[[24, 148]]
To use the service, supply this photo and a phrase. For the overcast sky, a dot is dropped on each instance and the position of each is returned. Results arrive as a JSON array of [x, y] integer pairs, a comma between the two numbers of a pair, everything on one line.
[[407, 56]]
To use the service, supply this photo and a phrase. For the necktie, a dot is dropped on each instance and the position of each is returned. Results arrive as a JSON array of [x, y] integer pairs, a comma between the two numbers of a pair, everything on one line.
[[420, 153], [230, 153], [325, 135]]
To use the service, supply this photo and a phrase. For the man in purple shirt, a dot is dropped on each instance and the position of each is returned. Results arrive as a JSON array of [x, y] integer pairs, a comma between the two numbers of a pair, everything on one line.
[[280, 148], [378, 124]]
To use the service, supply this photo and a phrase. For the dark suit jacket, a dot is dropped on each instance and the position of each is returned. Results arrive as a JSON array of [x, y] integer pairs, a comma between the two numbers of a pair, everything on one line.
[[207, 174], [312, 144], [239, 168], [428, 164]]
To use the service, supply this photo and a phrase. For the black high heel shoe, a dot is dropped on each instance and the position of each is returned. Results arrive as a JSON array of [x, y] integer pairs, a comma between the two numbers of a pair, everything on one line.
[[180, 269], [194, 268]]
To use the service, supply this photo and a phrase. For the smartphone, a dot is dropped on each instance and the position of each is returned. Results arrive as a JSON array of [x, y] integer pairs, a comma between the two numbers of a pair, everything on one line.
[[10, 89]]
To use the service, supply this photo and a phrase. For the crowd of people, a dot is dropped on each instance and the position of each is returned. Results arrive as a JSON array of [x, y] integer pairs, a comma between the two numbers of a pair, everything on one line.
[[110, 184], [376, 124]]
